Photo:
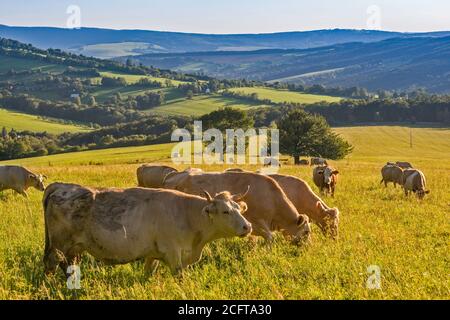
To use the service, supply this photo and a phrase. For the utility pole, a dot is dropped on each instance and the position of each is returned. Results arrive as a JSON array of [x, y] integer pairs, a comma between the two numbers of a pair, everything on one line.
[[410, 137]]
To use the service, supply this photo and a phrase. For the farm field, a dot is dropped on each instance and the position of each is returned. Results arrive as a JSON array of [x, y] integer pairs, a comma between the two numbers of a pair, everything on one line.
[[408, 239], [200, 105], [133, 78], [22, 122], [24, 64], [280, 96]]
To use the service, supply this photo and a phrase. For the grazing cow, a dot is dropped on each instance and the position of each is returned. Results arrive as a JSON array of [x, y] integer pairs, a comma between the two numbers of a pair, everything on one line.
[[304, 162], [325, 178], [118, 226], [318, 162], [20, 179], [152, 176], [269, 209], [307, 202], [392, 173], [404, 165], [235, 170], [413, 180]]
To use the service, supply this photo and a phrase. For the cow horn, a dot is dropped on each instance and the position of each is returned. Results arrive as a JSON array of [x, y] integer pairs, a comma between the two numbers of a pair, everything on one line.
[[240, 196], [208, 196]]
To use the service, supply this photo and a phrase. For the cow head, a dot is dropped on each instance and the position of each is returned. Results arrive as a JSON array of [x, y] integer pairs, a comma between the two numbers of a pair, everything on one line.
[[421, 193], [303, 232], [327, 173], [330, 220], [37, 181], [225, 211]]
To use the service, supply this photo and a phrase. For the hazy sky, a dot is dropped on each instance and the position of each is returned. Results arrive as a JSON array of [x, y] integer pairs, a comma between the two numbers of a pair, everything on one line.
[[234, 16]]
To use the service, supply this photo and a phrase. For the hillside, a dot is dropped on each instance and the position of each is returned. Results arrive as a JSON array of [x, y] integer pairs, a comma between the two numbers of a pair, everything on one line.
[[25, 122], [106, 43], [393, 64]]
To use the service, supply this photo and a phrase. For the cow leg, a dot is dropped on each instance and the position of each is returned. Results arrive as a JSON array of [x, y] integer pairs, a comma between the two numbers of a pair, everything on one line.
[[332, 191], [174, 262], [151, 264], [22, 193], [52, 259], [260, 228]]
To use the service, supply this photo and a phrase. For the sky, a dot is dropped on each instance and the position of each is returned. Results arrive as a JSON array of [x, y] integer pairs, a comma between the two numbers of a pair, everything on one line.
[[232, 16]]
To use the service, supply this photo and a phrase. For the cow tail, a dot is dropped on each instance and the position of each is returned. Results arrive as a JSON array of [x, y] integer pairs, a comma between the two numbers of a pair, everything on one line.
[[45, 201], [139, 176]]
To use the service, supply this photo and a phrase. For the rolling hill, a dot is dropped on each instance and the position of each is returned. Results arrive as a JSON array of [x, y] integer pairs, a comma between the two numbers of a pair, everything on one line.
[[393, 64], [25, 122]]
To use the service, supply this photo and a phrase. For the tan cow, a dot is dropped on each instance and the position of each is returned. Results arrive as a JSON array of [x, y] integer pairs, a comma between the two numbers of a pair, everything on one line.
[[269, 209], [325, 178], [392, 173], [413, 180], [318, 162], [20, 179], [152, 176], [118, 226], [307, 202]]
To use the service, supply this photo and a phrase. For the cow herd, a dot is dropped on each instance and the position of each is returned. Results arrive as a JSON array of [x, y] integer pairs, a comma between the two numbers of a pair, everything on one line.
[[403, 174], [172, 214]]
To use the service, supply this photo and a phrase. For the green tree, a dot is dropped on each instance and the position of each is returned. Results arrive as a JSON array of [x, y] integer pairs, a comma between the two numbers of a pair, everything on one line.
[[303, 134]]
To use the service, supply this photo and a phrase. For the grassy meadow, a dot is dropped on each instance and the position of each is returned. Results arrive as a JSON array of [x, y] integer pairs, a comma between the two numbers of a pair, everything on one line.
[[23, 122], [407, 238], [281, 96], [200, 105]]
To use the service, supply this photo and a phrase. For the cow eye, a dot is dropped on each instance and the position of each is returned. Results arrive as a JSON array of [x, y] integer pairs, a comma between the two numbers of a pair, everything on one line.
[[226, 212]]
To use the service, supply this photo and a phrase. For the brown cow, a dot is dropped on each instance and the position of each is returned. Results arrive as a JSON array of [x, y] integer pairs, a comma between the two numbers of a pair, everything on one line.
[[413, 180], [325, 178], [307, 202], [392, 173], [318, 162], [269, 209], [20, 179], [404, 165], [118, 226], [152, 176]]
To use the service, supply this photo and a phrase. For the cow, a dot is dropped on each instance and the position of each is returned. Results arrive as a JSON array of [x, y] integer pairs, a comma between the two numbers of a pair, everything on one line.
[[392, 173], [119, 226], [413, 180], [307, 202], [304, 162], [269, 209], [318, 162], [325, 178], [152, 176], [404, 165], [20, 180]]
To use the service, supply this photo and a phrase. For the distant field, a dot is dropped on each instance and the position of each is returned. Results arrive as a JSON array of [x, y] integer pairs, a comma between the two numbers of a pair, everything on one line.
[[406, 238], [133, 78], [22, 122], [103, 94], [280, 96], [201, 105], [22, 64]]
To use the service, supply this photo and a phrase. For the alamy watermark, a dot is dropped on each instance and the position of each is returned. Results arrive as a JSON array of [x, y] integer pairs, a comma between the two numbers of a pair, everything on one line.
[[374, 279], [238, 147], [74, 19], [74, 277], [374, 18]]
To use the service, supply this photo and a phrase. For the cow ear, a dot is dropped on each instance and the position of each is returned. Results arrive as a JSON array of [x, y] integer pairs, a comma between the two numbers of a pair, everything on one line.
[[336, 172], [301, 220], [243, 206], [320, 206]]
